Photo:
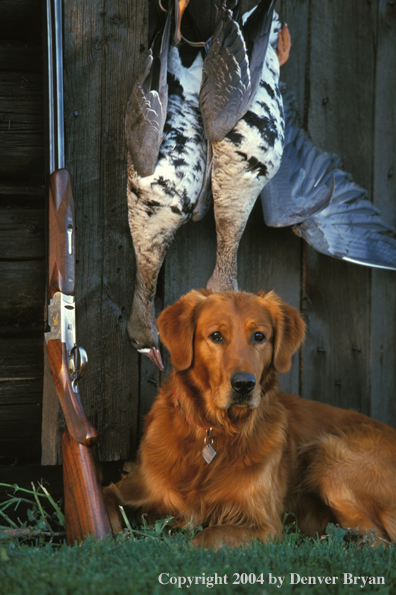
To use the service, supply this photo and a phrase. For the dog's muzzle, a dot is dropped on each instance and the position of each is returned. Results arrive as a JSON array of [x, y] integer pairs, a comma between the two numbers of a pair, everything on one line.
[[242, 384]]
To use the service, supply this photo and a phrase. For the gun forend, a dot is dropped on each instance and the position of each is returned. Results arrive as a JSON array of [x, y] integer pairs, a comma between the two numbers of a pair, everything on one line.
[[61, 244]]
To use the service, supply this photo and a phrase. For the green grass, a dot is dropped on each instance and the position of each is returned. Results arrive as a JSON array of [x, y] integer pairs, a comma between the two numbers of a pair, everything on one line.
[[127, 565], [136, 561]]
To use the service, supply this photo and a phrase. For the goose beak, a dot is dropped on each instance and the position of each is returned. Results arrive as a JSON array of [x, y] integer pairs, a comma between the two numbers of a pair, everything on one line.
[[180, 7], [155, 356]]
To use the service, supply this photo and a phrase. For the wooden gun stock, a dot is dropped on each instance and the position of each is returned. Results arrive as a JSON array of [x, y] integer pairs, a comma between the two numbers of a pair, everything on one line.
[[85, 512]]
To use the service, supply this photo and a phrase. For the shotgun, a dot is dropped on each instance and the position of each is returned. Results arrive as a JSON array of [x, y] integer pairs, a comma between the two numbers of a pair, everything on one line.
[[85, 512]]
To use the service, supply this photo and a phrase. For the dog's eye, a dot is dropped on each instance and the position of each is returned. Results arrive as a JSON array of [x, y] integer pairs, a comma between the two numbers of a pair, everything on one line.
[[216, 337], [259, 337]]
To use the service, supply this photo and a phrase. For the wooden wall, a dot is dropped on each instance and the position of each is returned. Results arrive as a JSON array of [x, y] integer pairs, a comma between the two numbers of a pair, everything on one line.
[[22, 229], [342, 70]]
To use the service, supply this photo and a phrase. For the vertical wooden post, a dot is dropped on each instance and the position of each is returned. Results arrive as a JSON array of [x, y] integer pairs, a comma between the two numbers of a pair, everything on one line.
[[337, 111], [383, 403]]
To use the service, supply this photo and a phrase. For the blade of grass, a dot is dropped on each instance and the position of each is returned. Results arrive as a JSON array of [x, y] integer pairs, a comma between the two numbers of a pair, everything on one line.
[[59, 513], [126, 521], [16, 488], [41, 509]]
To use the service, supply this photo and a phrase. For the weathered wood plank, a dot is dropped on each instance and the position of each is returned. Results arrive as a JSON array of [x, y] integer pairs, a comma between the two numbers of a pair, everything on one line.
[[21, 56], [383, 402], [21, 123], [21, 384], [22, 300], [21, 194], [295, 72], [22, 234], [21, 20], [340, 114], [20, 427], [20, 353], [104, 45]]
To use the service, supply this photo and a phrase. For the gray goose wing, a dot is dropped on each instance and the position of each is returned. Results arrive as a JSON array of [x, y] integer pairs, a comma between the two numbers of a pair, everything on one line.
[[225, 77], [147, 106], [229, 77], [351, 227], [301, 187], [326, 207]]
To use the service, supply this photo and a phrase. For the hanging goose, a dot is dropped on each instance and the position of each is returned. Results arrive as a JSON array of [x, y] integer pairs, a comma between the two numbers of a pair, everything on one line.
[[243, 117], [176, 191], [348, 226]]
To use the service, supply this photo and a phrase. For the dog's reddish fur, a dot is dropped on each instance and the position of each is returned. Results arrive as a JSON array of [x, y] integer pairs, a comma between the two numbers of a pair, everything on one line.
[[276, 453]]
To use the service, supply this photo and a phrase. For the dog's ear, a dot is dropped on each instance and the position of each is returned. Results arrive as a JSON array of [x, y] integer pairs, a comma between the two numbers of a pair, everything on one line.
[[176, 325], [289, 329]]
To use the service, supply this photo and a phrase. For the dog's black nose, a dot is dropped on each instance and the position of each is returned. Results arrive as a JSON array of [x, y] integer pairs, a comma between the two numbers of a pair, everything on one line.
[[243, 383]]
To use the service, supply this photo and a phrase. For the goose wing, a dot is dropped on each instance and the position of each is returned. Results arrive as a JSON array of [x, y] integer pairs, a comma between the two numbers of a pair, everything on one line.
[[326, 207], [225, 77], [147, 106], [232, 68], [351, 227], [301, 187]]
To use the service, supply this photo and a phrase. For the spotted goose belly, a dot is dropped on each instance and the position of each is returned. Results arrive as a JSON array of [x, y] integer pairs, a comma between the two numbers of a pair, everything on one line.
[[160, 203], [251, 153], [243, 162]]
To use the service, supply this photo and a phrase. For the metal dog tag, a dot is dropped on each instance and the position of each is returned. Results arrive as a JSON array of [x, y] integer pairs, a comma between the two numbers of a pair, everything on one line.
[[208, 452]]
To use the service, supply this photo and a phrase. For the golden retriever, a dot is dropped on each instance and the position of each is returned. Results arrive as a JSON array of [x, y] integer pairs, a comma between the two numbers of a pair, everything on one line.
[[224, 447]]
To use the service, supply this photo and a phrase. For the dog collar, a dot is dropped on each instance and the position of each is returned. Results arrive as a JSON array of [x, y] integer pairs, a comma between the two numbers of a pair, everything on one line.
[[208, 452]]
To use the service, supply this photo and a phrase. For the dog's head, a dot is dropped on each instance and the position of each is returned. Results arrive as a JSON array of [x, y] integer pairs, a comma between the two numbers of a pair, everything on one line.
[[230, 342]]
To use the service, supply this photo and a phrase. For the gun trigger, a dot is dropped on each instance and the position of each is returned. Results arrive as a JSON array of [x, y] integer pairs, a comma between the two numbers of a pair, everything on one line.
[[70, 238], [78, 364]]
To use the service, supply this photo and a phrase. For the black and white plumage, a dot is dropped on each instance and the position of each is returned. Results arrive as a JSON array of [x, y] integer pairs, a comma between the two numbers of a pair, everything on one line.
[[233, 68], [249, 155], [327, 209], [160, 203]]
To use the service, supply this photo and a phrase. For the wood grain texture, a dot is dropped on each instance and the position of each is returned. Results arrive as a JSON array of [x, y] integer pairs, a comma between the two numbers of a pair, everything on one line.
[[22, 228], [338, 114], [383, 293], [85, 512], [22, 233], [105, 44], [22, 297], [21, 123]]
